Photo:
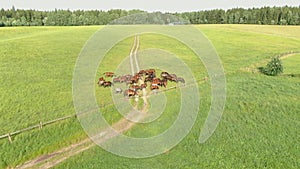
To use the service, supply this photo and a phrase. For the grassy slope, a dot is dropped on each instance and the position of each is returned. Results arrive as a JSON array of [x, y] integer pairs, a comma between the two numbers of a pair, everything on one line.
[[36, 74], [243, 45], [36, 85], [253, 132], [259, 125]]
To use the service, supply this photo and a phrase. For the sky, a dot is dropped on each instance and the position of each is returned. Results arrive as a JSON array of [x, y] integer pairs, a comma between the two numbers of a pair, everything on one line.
[[147, 5]]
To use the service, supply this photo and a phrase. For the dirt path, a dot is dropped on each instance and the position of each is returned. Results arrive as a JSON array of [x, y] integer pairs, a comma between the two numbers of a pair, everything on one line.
[[135, 53], [288, 55], [52, 159], [132, 52], [254, 67]]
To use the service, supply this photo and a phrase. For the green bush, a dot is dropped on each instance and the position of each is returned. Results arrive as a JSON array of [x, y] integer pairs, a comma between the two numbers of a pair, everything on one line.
[[273, 68]]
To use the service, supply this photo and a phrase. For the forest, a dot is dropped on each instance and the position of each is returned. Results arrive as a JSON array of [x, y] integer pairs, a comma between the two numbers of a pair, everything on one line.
[[266, 16]]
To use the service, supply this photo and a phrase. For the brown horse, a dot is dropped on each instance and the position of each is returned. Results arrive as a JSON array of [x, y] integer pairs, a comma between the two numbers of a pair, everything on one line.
[[142, 72], [101, 81], [153, 87], [129, 93], [150, 72], [143, 86], [136, 87], [134, 79], [156, 80], [117, 79], [109, 74]]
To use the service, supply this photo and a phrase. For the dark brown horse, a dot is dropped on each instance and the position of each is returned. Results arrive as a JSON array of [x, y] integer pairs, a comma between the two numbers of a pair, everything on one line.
[[180, 79], [107, 84], [148, 79], [164, 75], [163, 82], [172, 78]]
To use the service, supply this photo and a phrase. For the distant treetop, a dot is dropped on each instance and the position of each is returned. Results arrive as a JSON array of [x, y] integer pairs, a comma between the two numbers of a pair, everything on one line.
[[265, 15]]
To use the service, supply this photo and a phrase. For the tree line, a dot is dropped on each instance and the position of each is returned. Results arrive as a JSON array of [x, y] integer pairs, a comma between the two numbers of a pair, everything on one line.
[[266, 15]]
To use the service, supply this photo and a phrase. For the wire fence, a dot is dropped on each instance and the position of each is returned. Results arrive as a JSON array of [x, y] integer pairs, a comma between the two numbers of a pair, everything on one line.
[[41, 124]]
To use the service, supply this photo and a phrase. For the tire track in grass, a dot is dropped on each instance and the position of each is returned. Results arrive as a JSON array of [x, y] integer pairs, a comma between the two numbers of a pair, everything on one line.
[[135, 53], [50, 160], [133, 56], [132, 51]]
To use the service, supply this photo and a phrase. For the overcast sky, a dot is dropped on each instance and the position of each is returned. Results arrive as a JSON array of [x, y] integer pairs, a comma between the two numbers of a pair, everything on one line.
[[147, 5]]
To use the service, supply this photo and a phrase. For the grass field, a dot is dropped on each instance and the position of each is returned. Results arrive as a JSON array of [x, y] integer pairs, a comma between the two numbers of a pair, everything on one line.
[[259, 127], [292, 65], [36, 85]]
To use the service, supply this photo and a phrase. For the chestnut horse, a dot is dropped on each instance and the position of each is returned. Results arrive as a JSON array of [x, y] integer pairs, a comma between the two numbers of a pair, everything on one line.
[[129, 93], [109, 74], [101, 81]]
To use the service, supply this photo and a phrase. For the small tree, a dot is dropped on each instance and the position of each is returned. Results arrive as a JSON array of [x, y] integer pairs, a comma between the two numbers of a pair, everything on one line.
[[273, 68]]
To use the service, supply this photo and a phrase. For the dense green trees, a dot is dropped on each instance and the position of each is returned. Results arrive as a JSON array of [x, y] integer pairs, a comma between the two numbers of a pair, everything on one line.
[[19, 17], [266, 15]]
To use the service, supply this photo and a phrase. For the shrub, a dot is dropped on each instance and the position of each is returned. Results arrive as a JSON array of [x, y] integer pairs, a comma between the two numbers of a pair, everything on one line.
[[273, 68]]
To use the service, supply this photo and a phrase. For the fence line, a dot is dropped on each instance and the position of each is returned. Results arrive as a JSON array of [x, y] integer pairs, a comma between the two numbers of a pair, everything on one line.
[[41, 124]]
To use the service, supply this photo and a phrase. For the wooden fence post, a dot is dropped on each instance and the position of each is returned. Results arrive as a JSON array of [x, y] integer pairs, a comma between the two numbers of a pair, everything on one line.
[[41, 125], [9, 138]]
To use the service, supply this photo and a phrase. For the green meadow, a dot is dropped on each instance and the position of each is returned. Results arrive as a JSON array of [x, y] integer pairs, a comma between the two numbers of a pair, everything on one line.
[[259, 127]]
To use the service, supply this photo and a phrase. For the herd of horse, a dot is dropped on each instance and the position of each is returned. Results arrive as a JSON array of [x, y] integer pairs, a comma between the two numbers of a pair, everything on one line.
[[139, 81]]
